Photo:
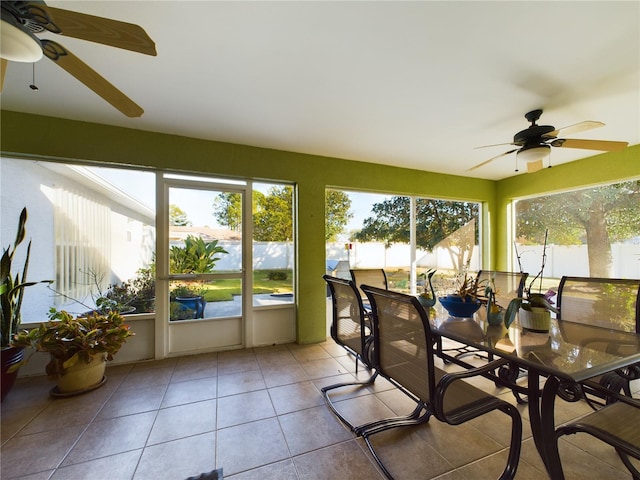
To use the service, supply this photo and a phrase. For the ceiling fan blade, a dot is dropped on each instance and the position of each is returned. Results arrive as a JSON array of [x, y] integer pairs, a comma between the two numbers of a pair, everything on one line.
[[494, 145], [492, 159], [3, 70], [575, 128], [604, 145], [534, 166], [101, 30], [92, 79]]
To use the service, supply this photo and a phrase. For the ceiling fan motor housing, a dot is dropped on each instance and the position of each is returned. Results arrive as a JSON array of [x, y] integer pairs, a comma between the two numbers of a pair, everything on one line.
[[533, 135]]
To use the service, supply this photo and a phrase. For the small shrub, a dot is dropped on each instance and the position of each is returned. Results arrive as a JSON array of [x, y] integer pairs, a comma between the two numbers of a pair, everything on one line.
[[277, 275]]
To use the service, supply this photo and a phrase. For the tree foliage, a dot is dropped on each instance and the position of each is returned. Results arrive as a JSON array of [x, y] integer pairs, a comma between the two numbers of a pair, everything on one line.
[[435, 221], [337, 213], [227, 210], [595, 217], [178, 217], [273, 215]]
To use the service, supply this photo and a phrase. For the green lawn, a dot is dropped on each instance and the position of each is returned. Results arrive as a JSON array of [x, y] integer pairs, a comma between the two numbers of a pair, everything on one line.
[[223, 290]]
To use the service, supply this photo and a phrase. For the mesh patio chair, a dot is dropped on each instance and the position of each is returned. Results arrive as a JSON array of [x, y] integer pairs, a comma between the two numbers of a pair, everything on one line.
[[611, 303], [615, 424], [349, 330], [376, 277], [404, 354]]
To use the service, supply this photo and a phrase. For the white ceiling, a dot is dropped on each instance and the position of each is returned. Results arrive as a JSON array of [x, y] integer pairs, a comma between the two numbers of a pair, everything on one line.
[[412, 84]]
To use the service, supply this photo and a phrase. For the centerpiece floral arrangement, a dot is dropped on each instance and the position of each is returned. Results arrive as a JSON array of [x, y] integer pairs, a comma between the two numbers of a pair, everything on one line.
[[467, 297]]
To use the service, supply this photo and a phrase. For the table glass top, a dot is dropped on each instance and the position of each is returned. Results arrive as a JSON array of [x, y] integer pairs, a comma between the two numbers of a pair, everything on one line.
[[568, 349]]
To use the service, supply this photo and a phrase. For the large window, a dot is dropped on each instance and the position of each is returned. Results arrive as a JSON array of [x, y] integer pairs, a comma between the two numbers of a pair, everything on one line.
[[591, 232], [92, 232], [273, 243], [406, 236]]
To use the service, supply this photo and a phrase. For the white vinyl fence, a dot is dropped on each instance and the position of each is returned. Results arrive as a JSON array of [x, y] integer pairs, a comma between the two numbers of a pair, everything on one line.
[[561, 260]]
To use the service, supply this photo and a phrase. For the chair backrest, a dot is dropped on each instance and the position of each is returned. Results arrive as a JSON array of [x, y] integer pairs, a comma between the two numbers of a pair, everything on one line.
[[348, 325], [402, 341], [605, 302], [375, 277], [506, 285]]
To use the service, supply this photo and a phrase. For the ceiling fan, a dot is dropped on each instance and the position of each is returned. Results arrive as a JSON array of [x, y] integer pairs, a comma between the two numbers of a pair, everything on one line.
[[534, 143], [22, 20]]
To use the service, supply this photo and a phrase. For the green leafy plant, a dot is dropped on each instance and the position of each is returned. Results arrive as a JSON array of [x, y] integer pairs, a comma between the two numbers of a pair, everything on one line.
[[196, 256], [70, 339], [468, 288], [277, 275], [138, 293], [12, 288], [187, 291], [117, 298], [178, 312]]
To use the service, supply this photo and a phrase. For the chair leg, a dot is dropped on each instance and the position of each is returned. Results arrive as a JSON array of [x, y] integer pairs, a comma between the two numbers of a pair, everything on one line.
[[325, 394], [516, 442], [415, 418], [627, 463]]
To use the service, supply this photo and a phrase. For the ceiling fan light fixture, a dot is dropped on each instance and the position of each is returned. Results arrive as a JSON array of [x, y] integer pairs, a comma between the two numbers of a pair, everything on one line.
[[535, 153], [17, 45]]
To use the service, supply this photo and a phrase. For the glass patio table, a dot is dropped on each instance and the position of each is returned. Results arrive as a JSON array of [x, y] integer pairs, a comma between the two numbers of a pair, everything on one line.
[[565, 356]]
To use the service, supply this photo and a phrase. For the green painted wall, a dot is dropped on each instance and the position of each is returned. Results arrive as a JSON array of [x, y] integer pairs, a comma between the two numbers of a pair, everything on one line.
[[34, 136]]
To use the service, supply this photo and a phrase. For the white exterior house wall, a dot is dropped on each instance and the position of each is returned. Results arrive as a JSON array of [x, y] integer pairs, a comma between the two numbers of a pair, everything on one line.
[[32, 184]]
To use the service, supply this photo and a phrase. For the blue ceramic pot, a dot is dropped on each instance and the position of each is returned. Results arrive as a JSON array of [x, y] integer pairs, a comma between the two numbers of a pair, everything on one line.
[[459, 308]]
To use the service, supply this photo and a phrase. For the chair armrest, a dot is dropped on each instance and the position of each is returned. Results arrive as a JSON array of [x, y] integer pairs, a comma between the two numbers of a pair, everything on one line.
[[475, 401], [471, 372]]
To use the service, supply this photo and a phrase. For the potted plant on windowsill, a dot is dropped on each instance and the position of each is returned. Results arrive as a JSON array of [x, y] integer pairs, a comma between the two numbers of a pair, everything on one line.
[[534, 309], [78, 347], [11, 296]]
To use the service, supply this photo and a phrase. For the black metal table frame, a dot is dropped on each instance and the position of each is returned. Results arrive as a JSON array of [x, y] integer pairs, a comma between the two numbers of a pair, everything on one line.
[[541, 403]]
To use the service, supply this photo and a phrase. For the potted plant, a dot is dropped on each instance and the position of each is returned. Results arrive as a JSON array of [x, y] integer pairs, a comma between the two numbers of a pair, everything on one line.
[[143, 290], [134, 296], [191, 302], [78, 347], [534, 309], [11, 296], [465, 300]]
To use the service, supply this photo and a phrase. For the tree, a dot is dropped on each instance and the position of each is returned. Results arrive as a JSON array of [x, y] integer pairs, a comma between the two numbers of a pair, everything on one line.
[[436, 220], [337, 213], [596, 216], [178, 217], [227, 209], [273, 215]]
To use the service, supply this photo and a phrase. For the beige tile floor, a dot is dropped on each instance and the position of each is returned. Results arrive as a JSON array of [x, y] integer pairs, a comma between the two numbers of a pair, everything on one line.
[[258, 414]]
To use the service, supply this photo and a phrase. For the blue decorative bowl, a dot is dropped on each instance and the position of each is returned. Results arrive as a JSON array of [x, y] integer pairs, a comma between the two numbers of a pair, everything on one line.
[[458, 308]]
